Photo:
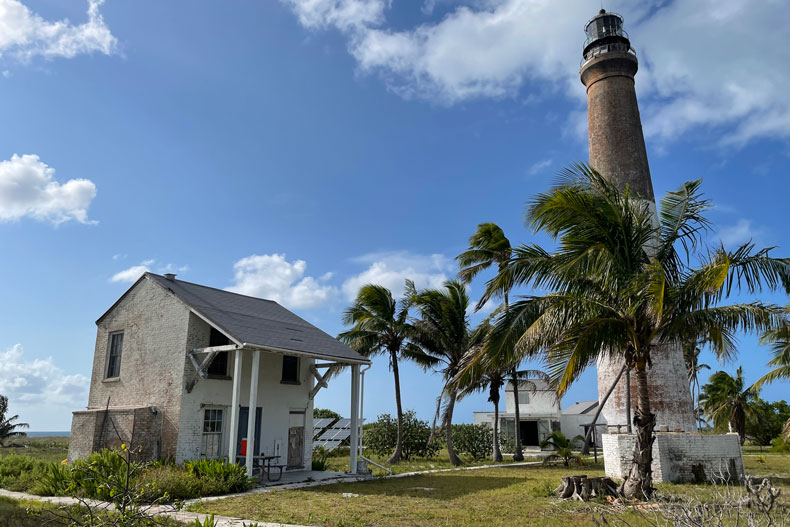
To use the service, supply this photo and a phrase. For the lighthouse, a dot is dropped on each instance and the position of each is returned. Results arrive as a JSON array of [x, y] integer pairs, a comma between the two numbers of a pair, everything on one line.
[[617, 152]]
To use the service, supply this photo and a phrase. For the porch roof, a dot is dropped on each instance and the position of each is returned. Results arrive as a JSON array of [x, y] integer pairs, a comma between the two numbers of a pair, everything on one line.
[[256, 322]]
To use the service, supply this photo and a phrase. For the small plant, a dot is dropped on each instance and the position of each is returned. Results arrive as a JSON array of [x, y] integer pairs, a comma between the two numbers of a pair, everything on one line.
[[320, 457], [562, 449], [208, 521]]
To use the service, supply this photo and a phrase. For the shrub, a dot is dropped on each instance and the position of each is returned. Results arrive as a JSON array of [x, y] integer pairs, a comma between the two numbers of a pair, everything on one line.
[[779, 444], [380, 437], [219, 476], [341, 451], [473, 440], [20, 473], [169, 483], [54, 480]]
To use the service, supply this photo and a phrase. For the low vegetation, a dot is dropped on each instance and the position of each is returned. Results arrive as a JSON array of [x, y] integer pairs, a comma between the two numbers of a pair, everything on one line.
[[94, 477]]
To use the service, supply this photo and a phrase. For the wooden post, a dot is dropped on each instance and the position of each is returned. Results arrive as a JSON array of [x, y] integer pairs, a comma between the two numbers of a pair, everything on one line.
[[234, 406], [256, 362]]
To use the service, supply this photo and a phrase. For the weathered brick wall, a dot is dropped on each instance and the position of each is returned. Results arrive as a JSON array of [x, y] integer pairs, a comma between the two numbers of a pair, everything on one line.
[[678, 457], [154, 323], [138, 428], [670, 395]]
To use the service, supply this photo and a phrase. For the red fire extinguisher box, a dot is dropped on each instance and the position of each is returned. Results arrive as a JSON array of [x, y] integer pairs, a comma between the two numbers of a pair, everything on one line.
[[244, 446]]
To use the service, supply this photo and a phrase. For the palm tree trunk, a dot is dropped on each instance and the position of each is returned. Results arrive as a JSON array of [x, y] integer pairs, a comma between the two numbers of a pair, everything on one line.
[[396, 455], [739, 422], [497, 451], [448, 429], [518, 455], [639, 482]]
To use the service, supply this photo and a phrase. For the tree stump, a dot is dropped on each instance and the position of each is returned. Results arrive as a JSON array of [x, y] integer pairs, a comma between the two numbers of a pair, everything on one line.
[[583, 488]]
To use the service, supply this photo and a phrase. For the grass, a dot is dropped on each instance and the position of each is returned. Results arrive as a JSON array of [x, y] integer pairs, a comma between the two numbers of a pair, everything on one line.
[[440, 461], [54, 448], [503, 496]]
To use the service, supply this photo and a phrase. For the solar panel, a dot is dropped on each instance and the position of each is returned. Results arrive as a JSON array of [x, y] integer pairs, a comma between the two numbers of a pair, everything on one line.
[[323, 422], [341, 434], [343, 423], [326, 436], [329, 445]]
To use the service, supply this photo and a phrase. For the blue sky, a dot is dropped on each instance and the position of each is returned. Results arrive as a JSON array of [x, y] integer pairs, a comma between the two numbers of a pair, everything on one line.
[[296, 149]]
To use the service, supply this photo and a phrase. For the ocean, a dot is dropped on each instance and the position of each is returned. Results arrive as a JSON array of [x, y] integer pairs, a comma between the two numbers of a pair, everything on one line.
[[47, 434]]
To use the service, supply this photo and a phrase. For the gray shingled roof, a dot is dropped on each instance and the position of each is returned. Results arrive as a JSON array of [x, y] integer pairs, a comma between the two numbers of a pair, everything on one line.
[[258, 322], [581, 407]]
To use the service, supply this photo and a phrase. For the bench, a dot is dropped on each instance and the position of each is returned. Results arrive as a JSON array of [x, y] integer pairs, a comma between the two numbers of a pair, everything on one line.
[[269, 468]]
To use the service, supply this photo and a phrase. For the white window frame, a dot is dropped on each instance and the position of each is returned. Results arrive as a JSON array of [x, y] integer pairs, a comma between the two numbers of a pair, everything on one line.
[[217, 415]]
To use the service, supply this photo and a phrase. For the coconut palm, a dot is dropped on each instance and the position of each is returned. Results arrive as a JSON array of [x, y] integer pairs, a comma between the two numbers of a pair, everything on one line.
[[620, 283], [779, 339], [381, 326], [488, 246], [691, 352], [727, 401], [8, 425], [562, 449], [443, 334], [484, 378]]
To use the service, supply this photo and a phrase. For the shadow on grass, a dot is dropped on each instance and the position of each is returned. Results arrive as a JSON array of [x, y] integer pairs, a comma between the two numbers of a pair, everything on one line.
[[440, 487]]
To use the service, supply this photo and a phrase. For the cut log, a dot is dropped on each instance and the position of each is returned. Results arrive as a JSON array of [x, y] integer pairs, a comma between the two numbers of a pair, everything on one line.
[[583, 488]]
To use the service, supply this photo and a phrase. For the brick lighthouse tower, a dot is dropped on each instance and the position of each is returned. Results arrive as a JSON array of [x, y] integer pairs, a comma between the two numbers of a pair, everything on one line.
[[617, 152]]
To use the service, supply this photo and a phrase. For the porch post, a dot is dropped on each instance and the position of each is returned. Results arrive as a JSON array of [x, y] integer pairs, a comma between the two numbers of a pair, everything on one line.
[[234, 406], [354, 417], [256, 362]]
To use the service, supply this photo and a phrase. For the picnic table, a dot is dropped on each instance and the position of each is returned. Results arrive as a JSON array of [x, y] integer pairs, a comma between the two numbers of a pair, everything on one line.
[[263, 465]]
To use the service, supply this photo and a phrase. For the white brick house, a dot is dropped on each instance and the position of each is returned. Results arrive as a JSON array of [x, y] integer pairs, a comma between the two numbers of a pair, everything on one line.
[[176, 365]]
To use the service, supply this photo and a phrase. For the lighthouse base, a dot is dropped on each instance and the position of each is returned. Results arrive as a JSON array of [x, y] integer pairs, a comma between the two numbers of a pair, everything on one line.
[[678, 457]]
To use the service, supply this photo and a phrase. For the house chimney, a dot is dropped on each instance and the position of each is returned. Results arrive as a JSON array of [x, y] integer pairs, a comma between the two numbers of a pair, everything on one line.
[[170, 276]]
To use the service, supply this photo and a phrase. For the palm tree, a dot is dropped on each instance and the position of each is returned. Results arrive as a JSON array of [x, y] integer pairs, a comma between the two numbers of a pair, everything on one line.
[[562, 448], [728, 401], [380, 325], [691, 352], [487, 246], [443, 335], [8, 426], [620, 283], [484, 378], [779, 339]]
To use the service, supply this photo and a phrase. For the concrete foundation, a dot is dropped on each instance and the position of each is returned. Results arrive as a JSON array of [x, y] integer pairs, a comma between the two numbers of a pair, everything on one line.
[[678, 457]]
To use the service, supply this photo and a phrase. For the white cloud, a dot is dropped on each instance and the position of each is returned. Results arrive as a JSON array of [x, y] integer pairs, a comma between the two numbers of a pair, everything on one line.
[[272, 277], [28, 188], [24, 34], [713, 63], [539, 167], [391, 269], [132, 273], [742, 232], [39, 382], [343, 14]]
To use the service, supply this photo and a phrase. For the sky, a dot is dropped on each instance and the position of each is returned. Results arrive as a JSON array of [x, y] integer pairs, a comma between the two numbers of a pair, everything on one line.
[[297, 149]]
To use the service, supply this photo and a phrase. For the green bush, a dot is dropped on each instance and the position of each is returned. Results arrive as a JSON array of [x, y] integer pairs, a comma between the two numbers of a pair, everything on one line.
[[473, 440], [320, 457], [341, 451], [54, 480], [382, 435], [779, 444], [169, 483], [19, 473], [219, 476]]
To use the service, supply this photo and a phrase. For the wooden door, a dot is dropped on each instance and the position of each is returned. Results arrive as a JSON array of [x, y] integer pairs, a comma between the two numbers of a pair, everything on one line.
[[296, 447]]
